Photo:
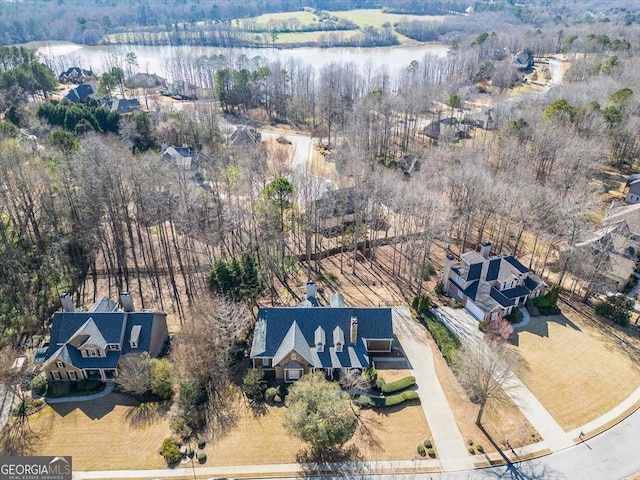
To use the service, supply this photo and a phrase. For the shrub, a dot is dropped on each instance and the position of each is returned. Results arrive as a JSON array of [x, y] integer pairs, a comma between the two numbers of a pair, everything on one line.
[[480, 449], [202, 457], [277, 399], [254, 384], [38, 385], [470, 442], [170, 451], [421, 304], [388, 401], [616, 308], [372, 374], [270, 394], [201, 443], [515, 316], [431, 452], [421, 450], [446, 340], [439, 288], [427, 443], [398, 385], [472, 451], [162, 377], [283, 390], [190, 452]]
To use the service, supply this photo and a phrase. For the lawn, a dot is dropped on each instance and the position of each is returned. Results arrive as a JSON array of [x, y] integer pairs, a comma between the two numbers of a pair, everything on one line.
[[112, 433], [576, 370], [305, 18], [376, 18], [104, 434]]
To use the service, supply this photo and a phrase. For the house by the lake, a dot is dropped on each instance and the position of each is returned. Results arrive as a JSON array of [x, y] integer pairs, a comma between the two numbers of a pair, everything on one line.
[[89, 345], [490, 287], [289, 342]]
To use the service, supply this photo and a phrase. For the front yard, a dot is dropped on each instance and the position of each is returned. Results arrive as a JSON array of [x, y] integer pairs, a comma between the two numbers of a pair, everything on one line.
[[577, 371], [114, 433]]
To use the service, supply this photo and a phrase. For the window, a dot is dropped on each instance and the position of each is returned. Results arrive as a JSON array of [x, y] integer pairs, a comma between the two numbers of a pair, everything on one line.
[[294, 374], [72, 375], [134, 344], [294, 356], [92, 352], [338, 347], [83, 352], [113, 346], [59, 364], [320, 347], [265, 362], [56, 375]]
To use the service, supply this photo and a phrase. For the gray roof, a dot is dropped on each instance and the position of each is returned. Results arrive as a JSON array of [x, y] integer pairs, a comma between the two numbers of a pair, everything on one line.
[[104, 304], [71, 330], [279, 331], [122, 105]]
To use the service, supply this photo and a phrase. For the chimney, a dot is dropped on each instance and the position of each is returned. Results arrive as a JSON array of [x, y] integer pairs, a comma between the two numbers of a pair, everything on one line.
[[126, 301], [353, 330], [485, 249], [311, 289], [67, 302], [446, 271]]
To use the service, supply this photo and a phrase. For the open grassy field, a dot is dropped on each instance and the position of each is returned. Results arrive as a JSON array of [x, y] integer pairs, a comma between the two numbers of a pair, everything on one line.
[[576, 370], [304, 17], [376, 18]]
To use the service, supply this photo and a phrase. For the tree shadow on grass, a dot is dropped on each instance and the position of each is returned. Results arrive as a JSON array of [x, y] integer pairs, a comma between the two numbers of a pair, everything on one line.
[[540, 326], [146, 413], [17, 438], [338, 462]]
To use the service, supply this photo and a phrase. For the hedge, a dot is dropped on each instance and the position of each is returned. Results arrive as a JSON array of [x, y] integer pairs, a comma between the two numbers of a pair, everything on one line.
[[388, 401], [446, 340], [397, 385]]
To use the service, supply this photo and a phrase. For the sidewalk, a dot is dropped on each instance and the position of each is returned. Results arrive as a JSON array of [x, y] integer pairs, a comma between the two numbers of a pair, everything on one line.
[[108, 388], [447, 439]]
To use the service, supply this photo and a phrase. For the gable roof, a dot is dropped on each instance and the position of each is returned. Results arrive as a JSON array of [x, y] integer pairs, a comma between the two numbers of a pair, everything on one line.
[[80, 93], [72, 330], [122, 105], [280, 330]]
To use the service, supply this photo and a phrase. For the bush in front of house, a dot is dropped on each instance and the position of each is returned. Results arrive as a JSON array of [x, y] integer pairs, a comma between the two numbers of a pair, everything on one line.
[[170, 451], [270, 394], [421, 451], [254, 384], [398, 385], [388, 401], [202, 457], [480, 449], [283, 390], [428, 444], [431, 452], [201, 443], [38, 385], [445, 339]]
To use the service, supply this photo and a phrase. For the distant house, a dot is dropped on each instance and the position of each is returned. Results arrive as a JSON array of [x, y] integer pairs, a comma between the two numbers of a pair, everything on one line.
[[289, 342], [123, 106], [89, 345], [490, 287], [76, 75], [447, 129], [244, 134], [523, 60], [182, 157], [183, 89], [146, 80], [81, 93], [633, 195]]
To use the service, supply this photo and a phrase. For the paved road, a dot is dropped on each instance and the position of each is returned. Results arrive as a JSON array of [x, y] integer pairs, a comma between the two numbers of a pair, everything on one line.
[[7, 401]]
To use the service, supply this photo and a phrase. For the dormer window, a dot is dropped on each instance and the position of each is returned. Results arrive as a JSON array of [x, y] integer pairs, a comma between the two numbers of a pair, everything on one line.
[[320, 339], [338, 338], [338, 347], [135, 335], [294, 356]]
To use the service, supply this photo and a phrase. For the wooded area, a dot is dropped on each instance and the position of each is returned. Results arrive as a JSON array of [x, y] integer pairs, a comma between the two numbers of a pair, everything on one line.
[[85, 209]]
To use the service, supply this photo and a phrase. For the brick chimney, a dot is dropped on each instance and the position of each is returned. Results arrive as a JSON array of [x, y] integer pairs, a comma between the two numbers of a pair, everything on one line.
[[353, 331]]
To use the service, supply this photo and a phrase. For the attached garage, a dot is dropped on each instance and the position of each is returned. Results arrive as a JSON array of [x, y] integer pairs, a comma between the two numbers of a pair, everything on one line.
[[378, 345], [474, 310]]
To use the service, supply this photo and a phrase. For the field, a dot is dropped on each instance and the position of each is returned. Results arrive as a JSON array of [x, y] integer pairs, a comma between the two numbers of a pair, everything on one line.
[[576, 370], [376, 18]]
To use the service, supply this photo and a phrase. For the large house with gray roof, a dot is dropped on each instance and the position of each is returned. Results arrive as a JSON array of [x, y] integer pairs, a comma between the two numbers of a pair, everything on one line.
[[490, 287], [89, 345], [289, 342]]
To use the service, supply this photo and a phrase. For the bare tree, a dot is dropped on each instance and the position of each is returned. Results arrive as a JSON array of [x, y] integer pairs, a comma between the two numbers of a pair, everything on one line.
[[135, 372], [354, 380], [485, 370], [203, 351]]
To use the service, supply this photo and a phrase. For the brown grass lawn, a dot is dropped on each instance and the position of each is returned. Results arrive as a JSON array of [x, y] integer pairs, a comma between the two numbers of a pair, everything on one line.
[[106, 434], [576, 369]]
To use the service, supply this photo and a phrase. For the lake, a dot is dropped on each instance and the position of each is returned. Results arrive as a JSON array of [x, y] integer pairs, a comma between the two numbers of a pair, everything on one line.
[[155, 59]]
